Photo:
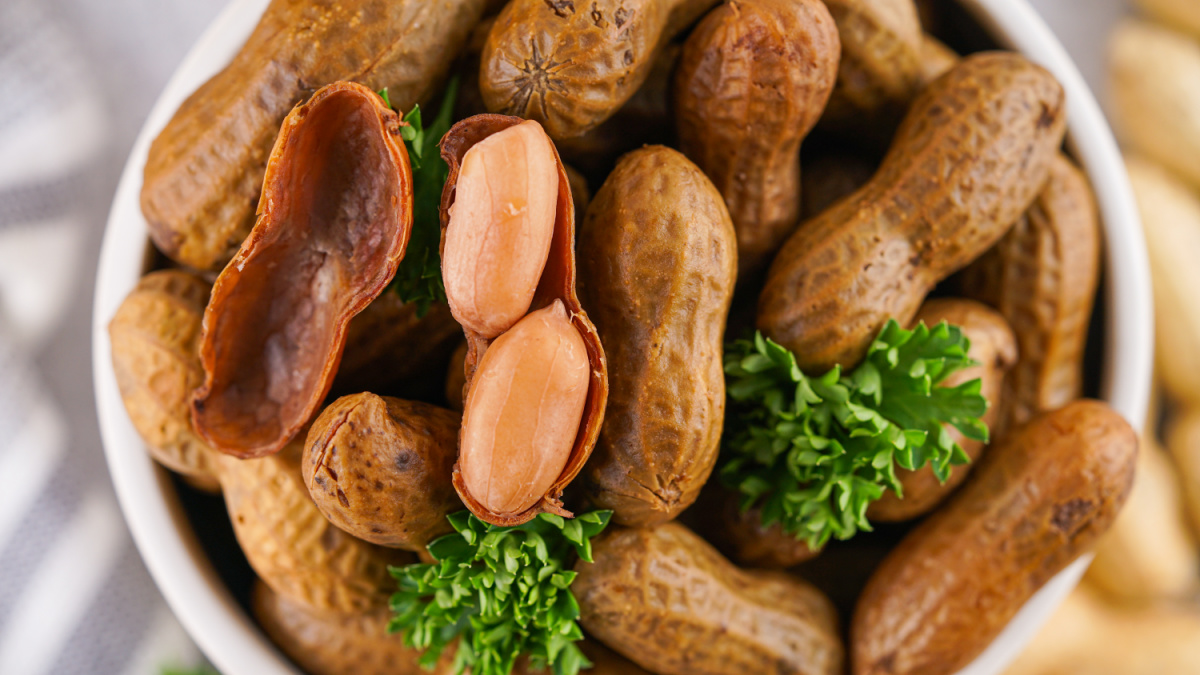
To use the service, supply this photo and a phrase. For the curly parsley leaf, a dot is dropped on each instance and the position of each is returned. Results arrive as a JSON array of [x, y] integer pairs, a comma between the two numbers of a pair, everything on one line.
[[419, 276], [814, 452], [501, 592]]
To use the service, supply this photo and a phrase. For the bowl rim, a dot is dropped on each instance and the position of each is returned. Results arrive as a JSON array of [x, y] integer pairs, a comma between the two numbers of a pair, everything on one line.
[[164, 537]]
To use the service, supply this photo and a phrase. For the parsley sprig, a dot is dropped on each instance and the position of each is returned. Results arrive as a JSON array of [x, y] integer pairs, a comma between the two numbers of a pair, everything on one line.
[[814, 452], [502, 592], [419, 277]]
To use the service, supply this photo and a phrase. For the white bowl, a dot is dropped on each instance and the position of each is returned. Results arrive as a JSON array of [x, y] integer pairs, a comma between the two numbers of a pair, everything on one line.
[[165, 538]]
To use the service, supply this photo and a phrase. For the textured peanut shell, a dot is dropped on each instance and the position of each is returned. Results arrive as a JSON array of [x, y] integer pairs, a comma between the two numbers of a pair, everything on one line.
[[332, 227], [994, 346], [379, 468], [751, 83], [657, 259], [570, 65], [1042, 277], [1036, 502], [971, 155], [879, 72], [830, 176], [205, 169], [156, 359], [936, 59], [336, 644], [292, 547], [669, 602], [557, 283]]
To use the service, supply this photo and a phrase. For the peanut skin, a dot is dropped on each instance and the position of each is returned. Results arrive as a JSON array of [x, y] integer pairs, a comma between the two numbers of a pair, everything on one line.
[[379, 468], [753, 79], [1036, 502], [994, 346], [657, 259], [156, 358], [992, 127], [669, 602], [500, 228]]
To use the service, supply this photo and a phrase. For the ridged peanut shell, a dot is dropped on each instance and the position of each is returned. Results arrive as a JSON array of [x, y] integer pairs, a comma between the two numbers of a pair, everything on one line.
[[973, 152], [657, 264], [753, 79], [205, 169], [669, 602]]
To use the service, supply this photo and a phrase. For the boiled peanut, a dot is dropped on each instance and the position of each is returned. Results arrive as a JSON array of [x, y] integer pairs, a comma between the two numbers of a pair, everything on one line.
[[657, 263], [936, 59], [741, 535], [751, 83], [992, 125], [205, 169], [523, 411], [669, 602], [156, 358], [954, 582], [1182, 14], [830, 176], [994, 346], [1183, 441], [379, 468], [456, 377], [500, 228]]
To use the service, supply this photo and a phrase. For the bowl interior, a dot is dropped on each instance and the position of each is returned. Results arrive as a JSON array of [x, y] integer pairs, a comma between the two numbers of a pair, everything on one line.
[[185, 537]]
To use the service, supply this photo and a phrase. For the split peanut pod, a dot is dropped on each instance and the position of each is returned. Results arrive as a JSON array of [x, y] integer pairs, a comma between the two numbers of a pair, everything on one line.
[[753, 80], [994, 346], [657, 265], [536, 376], [205, 169], [156, 359], [571, 65], [993, 124], [1036, 502], [333, 223]]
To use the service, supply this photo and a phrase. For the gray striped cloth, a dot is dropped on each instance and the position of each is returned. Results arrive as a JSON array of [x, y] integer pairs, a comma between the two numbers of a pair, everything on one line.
[[76, 79]]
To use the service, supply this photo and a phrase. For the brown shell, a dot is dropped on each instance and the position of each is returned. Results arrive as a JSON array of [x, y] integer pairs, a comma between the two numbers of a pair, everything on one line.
[[332, 227], [1036, 502], [557, 283], [994, 346], [456, 377], [1042, 277], [970, 157], [570, 65], [337, 644], [658, 257], [379, 468], [205, 169], [829, 176], [936, 59], [753, 80], [156, 359], [740, 534], [293, 547], [669, 602]]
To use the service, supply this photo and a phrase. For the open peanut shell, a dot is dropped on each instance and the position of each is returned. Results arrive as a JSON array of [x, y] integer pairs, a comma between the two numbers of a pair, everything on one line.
[[333, 222], [557, 283]]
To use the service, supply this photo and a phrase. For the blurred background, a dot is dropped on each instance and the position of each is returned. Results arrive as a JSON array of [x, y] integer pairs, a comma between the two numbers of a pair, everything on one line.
[[77, 78]]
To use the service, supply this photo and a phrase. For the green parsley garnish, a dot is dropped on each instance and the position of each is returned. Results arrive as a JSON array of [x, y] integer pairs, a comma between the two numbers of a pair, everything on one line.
[[814, 452], [419, 277], [502, 592]]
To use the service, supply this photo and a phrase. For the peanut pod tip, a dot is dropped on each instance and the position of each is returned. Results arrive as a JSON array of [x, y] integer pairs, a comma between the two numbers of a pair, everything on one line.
[[536, 375], [333, 223]]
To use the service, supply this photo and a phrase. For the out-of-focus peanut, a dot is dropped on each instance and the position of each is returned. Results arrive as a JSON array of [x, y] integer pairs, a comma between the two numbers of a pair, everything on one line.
[[523, 411], [1183, 442], [501, 225]]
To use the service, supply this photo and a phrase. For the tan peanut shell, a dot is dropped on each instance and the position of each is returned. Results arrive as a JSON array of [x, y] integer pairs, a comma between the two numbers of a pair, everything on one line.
[[879, 72], [991, 126], [379, 468], [668, 601], [1181, 14], [156, 358], [205, 169], [994, 346], [570, 65], [657, 261], [292, 547], [936, 59], [557, 283], [1042, 277], [1036, 502], [1183, 442], [753, 80]]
